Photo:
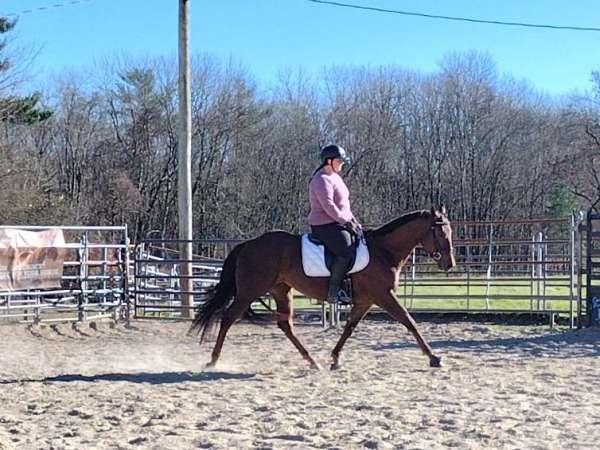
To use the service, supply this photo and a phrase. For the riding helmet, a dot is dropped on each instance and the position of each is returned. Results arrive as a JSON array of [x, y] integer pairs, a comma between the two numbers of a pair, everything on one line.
[[333, 152]]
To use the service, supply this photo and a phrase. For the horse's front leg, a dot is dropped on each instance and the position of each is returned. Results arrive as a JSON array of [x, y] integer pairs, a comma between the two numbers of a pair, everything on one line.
[[359, 309], [390, 303]]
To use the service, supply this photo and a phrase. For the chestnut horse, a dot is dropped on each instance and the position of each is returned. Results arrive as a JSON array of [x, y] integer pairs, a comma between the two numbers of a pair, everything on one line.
[[272, 263]]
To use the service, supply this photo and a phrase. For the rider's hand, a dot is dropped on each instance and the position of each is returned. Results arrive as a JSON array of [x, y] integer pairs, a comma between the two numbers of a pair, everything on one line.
[[357, 225], [354, 227], [349, 226]]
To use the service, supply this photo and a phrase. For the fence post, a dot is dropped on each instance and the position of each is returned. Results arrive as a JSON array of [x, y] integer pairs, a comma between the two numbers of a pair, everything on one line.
[[104, 273], [580, 274], [489, 269], [137, 264], [82, 256], [543, 266], [538, 266], [125, 278], [468, 271], [572, 269], [532, 272]]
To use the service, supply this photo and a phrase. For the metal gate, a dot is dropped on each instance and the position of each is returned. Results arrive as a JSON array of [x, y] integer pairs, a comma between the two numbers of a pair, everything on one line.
[[94, 283], [593, 268], [157, 290], [525, 266]]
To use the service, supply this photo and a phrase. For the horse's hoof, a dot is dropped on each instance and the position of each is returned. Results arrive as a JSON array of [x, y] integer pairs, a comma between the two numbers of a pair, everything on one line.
[[435, 361], [335, 365], [210, 365], [316, 366]]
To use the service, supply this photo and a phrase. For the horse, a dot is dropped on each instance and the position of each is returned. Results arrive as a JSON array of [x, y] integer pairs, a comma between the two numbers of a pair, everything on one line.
[[272, 263]]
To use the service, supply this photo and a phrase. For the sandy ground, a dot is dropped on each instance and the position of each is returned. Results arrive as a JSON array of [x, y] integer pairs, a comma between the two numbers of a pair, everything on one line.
[[114, 387]]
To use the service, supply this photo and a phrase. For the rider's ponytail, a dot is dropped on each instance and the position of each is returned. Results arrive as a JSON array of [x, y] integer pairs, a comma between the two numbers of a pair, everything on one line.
[[323, 164]]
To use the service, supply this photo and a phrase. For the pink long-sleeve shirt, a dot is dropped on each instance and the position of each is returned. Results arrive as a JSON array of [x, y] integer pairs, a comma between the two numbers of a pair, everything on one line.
[[329, 199]]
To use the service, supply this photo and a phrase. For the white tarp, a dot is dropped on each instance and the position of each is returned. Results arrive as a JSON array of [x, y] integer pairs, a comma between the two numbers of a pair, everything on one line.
[[31, 259]]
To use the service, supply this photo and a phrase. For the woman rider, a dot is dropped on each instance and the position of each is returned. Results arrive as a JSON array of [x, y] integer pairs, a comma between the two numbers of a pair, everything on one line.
[[330, 217]]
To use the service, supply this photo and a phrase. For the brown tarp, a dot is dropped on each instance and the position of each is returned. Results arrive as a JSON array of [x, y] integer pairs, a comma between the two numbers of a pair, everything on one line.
[[31, 259]]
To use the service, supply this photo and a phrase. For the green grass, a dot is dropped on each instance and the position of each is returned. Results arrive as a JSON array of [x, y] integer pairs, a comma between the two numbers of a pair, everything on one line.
[[502, 296], [452, 294]]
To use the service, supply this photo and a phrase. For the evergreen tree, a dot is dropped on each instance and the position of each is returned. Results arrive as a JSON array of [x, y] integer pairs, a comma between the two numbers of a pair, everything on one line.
[[562, 202], [16, 109]]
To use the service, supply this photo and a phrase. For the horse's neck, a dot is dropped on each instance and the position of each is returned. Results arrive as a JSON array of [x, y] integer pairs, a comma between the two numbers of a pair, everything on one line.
[[400, 242]]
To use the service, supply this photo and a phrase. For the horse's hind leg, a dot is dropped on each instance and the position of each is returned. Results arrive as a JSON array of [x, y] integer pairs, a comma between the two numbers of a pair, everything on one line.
[[399, 312], [282, 294], [233, 313]]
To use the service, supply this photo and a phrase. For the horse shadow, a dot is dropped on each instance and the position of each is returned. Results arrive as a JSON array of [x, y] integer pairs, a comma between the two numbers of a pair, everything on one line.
[[154, 378], [560, 345]]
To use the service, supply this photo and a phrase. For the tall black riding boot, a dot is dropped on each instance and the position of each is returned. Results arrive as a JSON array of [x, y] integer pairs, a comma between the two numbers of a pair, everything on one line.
[[338, 270]]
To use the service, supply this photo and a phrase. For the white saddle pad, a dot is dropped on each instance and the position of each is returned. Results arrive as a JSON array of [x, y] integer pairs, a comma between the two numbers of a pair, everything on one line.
[[313, 258]]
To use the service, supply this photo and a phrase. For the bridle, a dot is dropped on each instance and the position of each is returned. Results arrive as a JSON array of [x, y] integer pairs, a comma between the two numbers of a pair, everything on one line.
[[436, 254]]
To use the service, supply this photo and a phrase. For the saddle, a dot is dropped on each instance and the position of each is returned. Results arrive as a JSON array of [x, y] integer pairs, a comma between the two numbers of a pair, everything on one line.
[[317, 259]]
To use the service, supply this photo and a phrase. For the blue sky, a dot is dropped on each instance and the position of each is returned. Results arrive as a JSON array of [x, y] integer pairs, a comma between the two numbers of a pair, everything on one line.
[[267, 36]]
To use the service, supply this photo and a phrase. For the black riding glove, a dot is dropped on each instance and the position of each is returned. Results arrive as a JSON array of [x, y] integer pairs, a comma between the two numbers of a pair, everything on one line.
[[355, 228]]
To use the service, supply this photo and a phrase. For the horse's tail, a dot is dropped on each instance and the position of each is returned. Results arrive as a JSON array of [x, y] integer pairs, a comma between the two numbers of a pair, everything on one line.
[[219, 297]]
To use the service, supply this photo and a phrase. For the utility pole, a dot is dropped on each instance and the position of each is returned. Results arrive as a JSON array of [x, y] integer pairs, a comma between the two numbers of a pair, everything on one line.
[[184, 161]]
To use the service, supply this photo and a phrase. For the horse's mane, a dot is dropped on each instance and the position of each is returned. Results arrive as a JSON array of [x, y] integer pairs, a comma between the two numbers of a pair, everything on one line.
[[394, 224]]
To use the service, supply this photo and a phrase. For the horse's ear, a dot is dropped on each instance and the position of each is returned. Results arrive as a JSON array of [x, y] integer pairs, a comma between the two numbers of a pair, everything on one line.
[[433, 211]]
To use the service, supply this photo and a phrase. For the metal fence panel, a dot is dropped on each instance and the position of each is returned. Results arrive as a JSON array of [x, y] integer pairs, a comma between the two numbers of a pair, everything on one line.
[[94, 282], [516, 266]]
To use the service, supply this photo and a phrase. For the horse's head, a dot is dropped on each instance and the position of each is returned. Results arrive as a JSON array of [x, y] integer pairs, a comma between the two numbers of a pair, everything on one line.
[[438, 240]]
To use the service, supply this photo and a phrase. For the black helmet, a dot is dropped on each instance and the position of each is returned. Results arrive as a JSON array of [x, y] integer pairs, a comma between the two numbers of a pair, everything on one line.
[[334, 151]]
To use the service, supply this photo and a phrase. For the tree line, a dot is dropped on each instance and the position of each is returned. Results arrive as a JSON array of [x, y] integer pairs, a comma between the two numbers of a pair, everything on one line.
[[101, 147]]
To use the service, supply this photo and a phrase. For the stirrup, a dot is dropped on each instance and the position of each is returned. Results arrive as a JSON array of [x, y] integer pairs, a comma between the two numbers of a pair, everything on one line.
[[342, 298]]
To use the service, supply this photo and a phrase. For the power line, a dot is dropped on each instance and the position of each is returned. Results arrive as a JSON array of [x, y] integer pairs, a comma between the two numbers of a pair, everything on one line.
[[45, 8], [460, 19]]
